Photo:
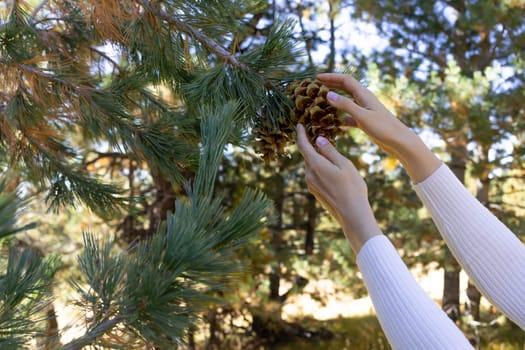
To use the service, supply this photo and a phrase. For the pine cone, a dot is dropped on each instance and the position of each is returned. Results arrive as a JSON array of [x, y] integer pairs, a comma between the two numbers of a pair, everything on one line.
[[313, 110], [310, 108], [272, 142]]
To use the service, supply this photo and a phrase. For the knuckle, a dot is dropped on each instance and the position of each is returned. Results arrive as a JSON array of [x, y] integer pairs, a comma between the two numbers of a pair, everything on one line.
[[313, 169], [308, 178]]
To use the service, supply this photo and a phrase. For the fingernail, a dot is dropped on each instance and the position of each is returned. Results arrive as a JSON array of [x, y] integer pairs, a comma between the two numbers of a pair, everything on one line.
[[321, 141], [332, 96]]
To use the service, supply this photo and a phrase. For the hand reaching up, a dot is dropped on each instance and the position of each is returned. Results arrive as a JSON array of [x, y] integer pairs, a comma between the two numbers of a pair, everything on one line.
[[389, 133], [337, 184]]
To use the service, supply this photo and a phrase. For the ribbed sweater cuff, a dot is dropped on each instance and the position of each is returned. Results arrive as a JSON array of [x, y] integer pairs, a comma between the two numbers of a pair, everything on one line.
[[409, 318]]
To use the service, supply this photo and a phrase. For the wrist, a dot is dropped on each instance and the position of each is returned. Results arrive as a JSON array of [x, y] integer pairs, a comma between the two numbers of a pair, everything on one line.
[[417, 159], [359, 226]]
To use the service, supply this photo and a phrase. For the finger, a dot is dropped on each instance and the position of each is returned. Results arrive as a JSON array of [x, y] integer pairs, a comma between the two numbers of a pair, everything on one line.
[[329, 151], [320, 198], [304, 145], [310, 183], [311, 180], [346, 104], [349, 84]]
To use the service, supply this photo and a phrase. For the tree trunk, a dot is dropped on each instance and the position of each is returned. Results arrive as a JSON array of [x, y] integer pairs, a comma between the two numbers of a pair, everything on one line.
[[473, 293], [213, 341], [276, 237], [474, 297], [310, 225], [275, 283], [333, 8], [52, 340], [191, 338], [450, 301]]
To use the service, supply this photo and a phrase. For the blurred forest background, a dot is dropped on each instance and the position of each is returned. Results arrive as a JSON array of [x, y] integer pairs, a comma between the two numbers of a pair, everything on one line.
[[136, 211]]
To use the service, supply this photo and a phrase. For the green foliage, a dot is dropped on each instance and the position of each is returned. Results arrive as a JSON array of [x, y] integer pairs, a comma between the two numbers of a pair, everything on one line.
[[68, 104], [25, 279], [154, 289], [126, 107], [256, 80], [360, 333], [10, 203]]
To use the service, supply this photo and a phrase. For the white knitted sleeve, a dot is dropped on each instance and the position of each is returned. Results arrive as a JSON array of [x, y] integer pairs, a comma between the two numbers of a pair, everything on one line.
[[410, 319], [492, 256]]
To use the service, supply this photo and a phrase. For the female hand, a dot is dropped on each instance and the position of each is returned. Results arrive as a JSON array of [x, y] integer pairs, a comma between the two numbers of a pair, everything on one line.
[[337, 184], [390, 134]]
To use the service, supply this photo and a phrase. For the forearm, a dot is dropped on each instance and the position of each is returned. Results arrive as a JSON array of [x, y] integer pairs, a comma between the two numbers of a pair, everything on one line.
[[492, 256], [409, 318]]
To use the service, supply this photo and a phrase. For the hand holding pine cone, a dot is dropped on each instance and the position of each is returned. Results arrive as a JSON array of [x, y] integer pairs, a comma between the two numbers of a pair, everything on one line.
[[310, 108]]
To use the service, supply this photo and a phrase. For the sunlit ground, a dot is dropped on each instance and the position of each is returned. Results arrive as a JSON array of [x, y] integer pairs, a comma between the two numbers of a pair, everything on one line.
[[336, 305], [351, 321]]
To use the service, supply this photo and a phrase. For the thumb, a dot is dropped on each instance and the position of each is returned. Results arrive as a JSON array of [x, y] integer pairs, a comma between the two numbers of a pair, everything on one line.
[[329, 151], [345, 104]]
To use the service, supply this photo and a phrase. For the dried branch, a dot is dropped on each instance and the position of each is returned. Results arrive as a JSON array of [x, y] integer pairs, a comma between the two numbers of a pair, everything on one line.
[[42, 74]]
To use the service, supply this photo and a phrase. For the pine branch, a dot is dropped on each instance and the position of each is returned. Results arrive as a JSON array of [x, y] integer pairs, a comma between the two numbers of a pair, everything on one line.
[[24, 292], [214, 139], [208, 42], [121, 70], [9, 205], [25, 280], [154, 289], [229, 57], [104, 113], [106, 57]]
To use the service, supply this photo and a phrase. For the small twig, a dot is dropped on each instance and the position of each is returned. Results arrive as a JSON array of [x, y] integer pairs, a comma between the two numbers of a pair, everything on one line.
[[36, 10], [102, 155], [119, 68], [92, 335], [106, 56]]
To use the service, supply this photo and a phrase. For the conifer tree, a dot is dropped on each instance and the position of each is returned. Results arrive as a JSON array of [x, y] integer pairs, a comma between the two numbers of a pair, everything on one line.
[[126, 108], [454, 68]]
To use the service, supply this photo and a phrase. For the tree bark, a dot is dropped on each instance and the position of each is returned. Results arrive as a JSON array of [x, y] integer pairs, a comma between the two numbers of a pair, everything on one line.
[[52, 339], [332, 10], [473, 293], [213, 341], [474, 297], [310, 225], [450, 301], [276, 237]]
